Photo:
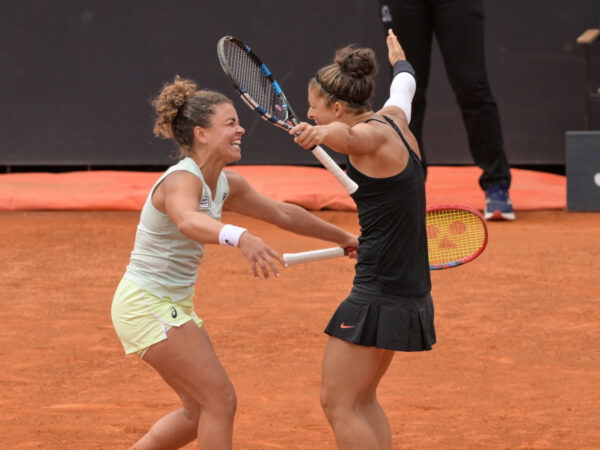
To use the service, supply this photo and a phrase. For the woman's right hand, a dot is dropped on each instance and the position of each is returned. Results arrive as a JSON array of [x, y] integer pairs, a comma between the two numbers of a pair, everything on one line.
[[307, 135], [260, 255], [351, 246]]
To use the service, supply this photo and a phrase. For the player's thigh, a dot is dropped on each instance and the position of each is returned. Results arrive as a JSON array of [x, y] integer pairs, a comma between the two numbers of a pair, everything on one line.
[[352, 371], [188, 363]]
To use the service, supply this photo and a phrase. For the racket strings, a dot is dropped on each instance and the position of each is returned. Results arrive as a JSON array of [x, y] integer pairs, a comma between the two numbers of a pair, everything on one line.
[[251, 76], [453, 236]]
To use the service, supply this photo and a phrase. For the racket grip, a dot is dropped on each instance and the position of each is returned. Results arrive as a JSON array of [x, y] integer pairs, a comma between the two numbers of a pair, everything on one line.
[[349, 185], [313, 255]]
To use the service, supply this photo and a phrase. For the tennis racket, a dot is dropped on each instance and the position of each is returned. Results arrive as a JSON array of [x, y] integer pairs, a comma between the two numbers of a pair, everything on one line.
[[456, 234], [257, 88]]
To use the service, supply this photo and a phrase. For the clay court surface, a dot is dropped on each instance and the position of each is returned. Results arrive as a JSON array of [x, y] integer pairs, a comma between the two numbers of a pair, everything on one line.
[[516, 365]]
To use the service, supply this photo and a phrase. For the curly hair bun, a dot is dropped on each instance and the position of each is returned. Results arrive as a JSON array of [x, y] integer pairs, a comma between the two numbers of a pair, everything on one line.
[[167, 104], [356, 62]]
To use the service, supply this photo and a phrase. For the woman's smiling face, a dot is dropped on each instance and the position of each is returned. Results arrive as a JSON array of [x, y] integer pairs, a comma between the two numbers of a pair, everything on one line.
[[225, 132]]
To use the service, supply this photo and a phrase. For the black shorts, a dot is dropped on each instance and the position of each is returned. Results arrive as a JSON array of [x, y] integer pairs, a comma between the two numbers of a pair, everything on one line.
[[384, 321]]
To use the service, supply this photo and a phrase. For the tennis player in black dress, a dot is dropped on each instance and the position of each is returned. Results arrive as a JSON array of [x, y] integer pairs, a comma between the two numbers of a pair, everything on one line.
[[389, 307]]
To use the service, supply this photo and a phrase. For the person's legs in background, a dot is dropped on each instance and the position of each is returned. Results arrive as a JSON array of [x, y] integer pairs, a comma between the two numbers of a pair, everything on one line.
[[411, 21], [459, 30]]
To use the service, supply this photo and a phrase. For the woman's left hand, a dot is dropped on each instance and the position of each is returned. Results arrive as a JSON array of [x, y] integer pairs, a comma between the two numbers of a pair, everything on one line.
[[395, 50]]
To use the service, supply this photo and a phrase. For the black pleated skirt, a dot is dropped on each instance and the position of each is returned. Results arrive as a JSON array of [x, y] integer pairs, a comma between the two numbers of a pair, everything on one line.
[[385, 321]]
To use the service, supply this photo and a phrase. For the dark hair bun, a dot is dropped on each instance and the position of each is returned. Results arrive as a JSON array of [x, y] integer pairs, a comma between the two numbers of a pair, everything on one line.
[[356, 62]]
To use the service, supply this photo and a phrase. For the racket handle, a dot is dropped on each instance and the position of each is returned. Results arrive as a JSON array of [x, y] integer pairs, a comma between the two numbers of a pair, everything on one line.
[[337, 172], [313, 255]]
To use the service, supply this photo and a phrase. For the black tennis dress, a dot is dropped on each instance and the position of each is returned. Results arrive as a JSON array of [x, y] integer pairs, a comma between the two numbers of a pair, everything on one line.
[[390, 304]]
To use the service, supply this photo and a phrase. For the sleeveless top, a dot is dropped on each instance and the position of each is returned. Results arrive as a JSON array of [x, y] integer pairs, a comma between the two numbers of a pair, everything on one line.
[[392, 251], [163, 261]]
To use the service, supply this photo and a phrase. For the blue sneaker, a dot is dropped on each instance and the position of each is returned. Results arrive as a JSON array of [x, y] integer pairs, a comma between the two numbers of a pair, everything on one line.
[[497, 203]]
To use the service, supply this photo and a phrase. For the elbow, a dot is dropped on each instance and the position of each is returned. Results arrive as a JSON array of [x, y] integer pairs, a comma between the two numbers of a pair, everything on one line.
[[288, 217], [184, 228], [185, 225]]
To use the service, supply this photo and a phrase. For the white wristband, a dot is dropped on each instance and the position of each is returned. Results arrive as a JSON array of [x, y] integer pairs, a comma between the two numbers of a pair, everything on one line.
[[230, 235]]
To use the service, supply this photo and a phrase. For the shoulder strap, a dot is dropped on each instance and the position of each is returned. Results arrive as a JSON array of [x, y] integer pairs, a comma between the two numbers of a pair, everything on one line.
[[395, 127], [373, 119]]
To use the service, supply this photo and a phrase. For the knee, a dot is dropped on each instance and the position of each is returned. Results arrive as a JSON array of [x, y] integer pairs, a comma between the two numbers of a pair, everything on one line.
[[229, 400], [224, 402], [336, 406], [221, 402], [473, 92], [331, 404]]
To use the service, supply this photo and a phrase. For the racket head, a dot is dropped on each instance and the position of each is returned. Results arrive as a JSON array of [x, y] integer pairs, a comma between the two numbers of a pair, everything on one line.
[[254, 83], [456, 234]]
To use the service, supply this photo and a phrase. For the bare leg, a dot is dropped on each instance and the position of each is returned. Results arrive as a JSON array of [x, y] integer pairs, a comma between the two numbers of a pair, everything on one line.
[[189, 364], [373, 412], [351, 374], [171, 432]]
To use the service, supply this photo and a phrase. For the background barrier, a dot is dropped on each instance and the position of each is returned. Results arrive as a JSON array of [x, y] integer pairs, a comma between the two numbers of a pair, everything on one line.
[[77, 77]]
